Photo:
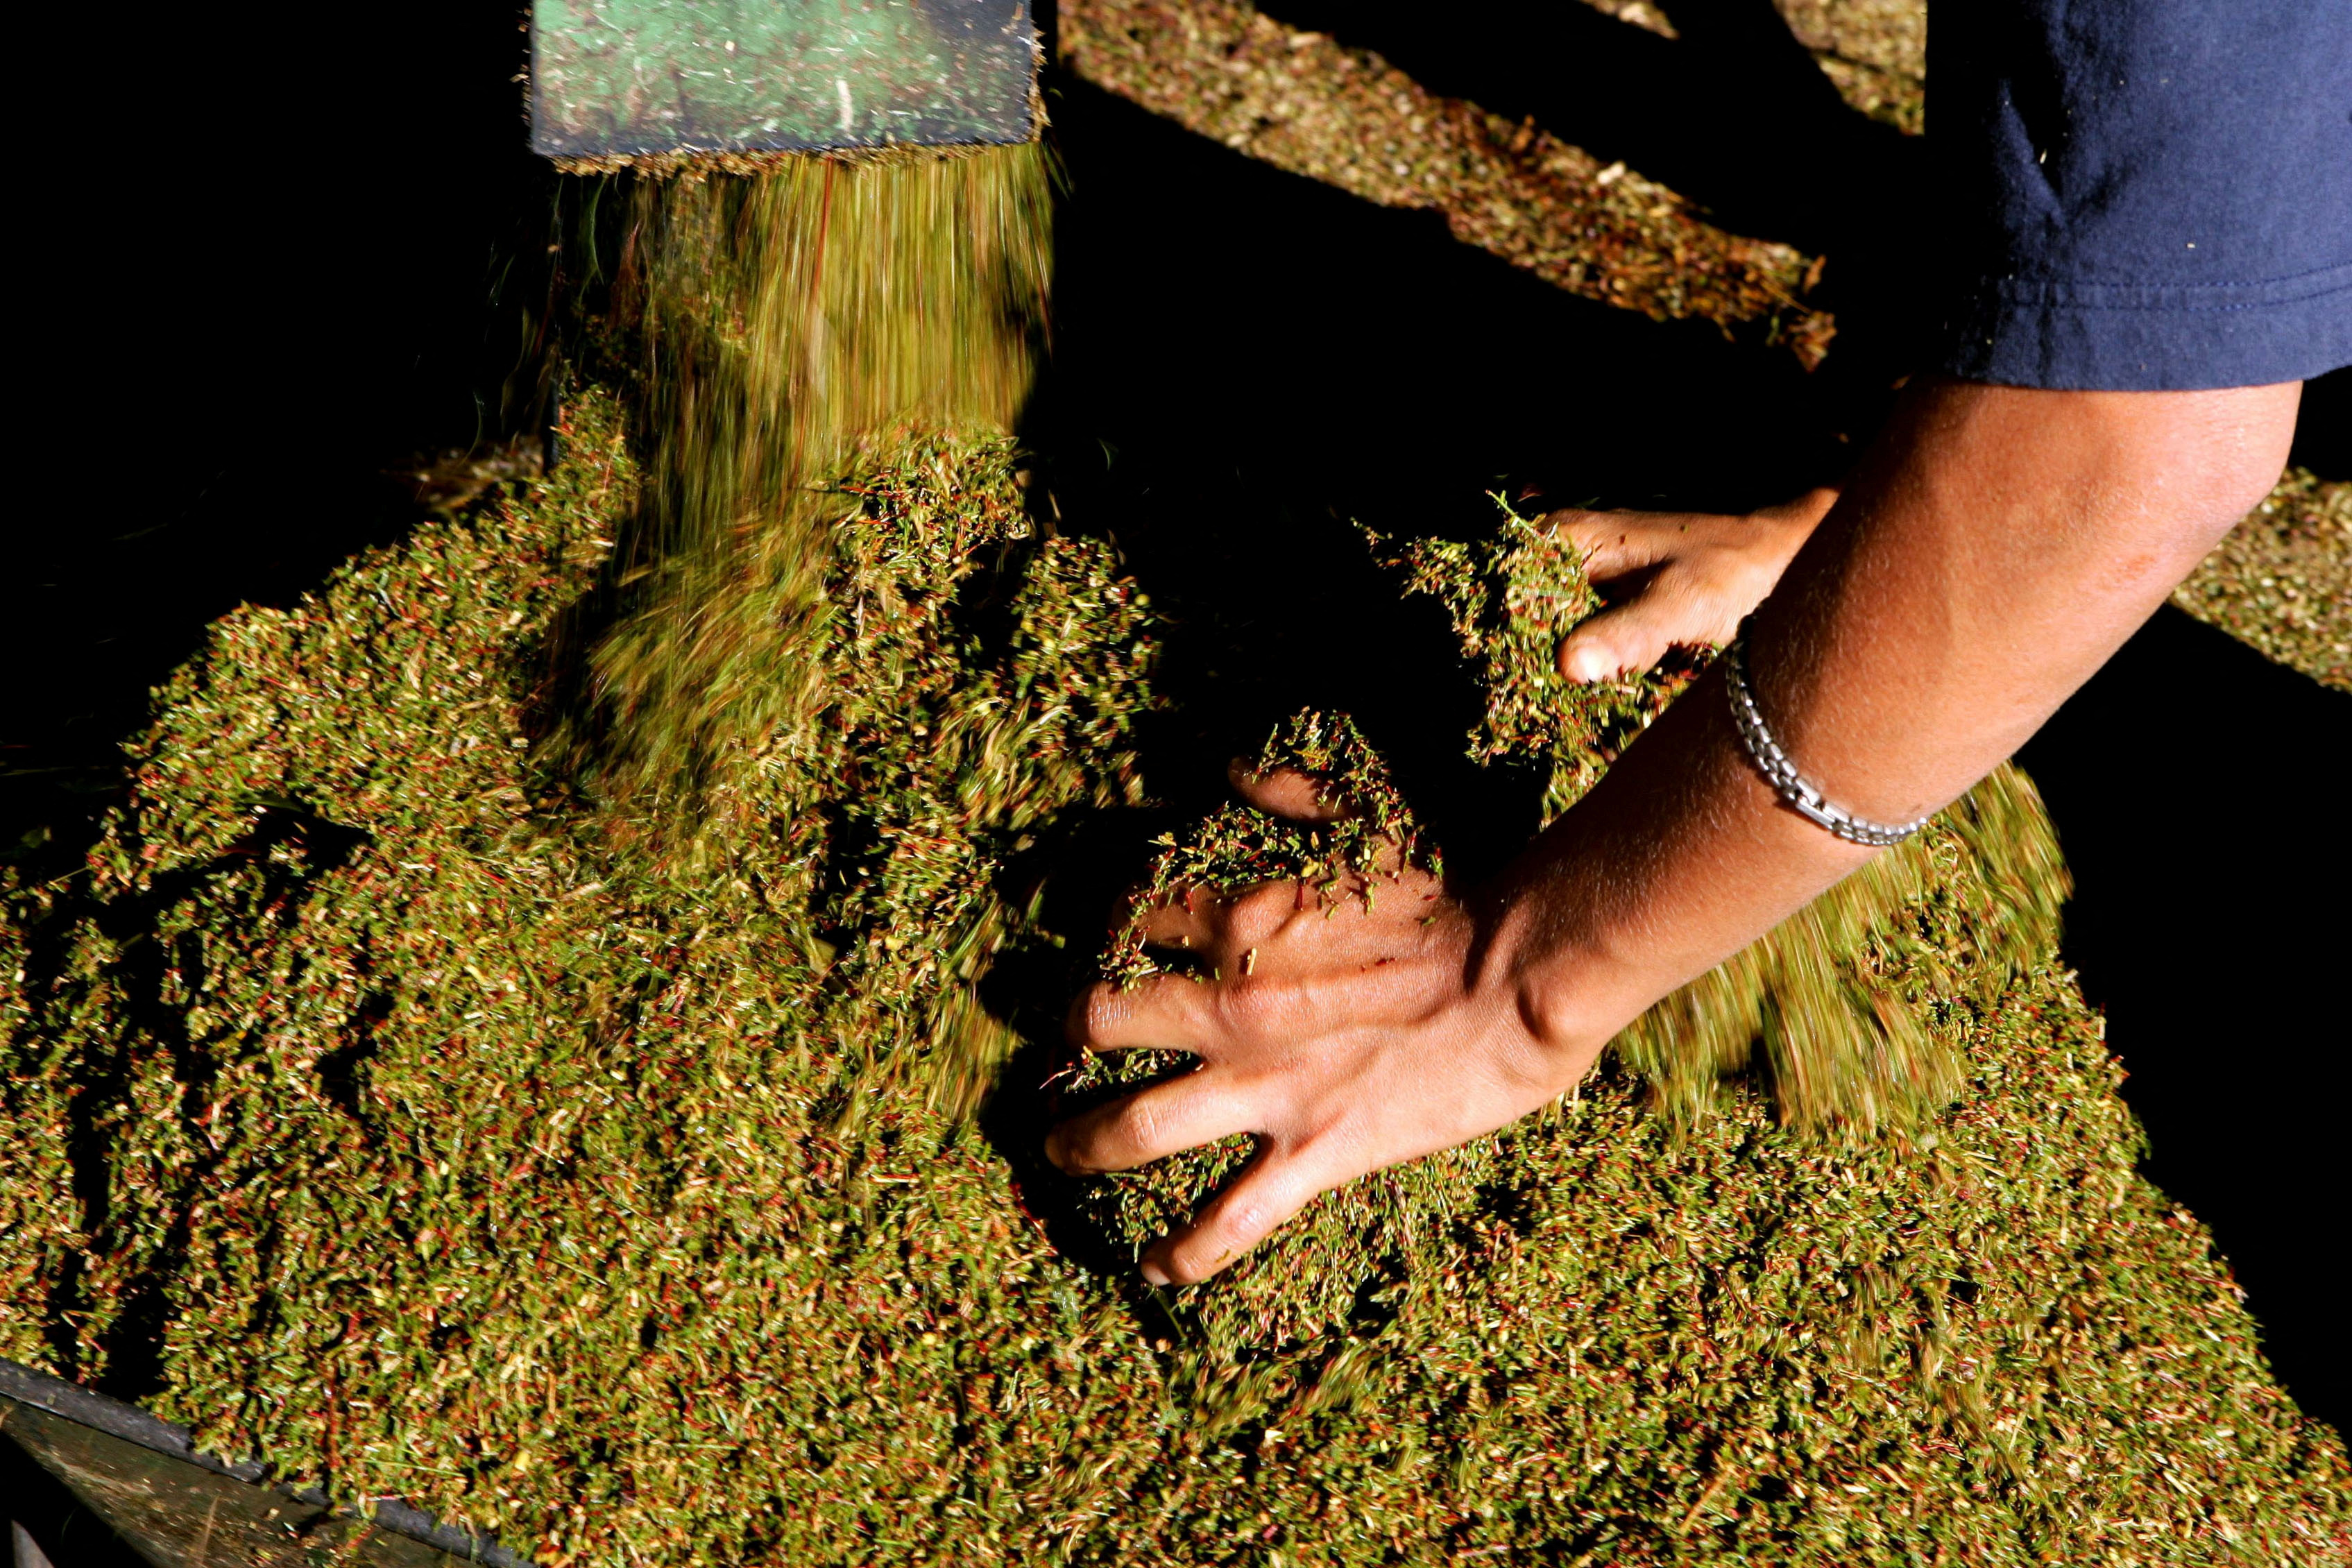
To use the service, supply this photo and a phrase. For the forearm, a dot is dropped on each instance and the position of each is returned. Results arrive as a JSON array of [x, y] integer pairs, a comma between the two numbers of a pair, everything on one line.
[[1998, 546]]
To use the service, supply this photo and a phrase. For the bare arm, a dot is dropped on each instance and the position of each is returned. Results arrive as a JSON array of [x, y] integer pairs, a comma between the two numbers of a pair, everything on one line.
[[1995, 549]]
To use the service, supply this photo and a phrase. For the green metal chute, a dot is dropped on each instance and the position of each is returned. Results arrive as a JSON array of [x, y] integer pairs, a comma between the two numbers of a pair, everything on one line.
[[621, 79]]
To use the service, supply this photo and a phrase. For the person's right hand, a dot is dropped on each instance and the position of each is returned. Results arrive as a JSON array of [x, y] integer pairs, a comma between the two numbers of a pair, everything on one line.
[[1347, 1028], [1685, 579]]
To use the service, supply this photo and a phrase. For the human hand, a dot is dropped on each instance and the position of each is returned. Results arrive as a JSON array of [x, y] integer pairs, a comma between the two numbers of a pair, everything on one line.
[[1347, 1036], [1688, 578]]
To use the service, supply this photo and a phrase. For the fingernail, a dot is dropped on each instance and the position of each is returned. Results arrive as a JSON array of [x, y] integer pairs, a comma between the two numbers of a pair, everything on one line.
[[1153, 1275], [1587, 665]]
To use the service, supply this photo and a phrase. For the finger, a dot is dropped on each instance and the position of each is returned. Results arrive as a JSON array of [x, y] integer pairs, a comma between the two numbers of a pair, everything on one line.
[[1624, 640], [1234, 932], [1166, 1119], [1269, 1190], [1188, 920], [1285, 792], [1613, 543], [1161, 1012]]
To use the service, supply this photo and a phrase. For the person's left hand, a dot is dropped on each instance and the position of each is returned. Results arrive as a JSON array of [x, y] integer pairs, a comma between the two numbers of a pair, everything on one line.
[[1675, 579], [1346, 1037]]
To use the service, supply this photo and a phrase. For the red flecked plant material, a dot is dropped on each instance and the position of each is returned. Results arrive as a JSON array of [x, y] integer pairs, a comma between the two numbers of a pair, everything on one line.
[[1307, 104], [430, 1139]]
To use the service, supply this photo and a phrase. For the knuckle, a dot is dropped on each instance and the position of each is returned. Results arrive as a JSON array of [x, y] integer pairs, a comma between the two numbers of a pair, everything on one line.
[[1092, 1013], [1139, 1124], [1242, 1004], [1245, 1222], [1259, 913]]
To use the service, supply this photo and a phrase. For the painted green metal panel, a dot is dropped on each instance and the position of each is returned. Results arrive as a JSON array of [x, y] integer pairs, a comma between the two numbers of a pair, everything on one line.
[[651, 77]]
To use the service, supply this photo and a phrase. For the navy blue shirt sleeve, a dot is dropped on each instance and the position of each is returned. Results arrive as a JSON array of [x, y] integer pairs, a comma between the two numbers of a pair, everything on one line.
[[2142, 195]]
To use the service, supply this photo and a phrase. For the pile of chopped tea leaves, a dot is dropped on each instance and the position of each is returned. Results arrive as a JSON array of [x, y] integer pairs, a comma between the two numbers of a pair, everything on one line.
[[380, 1110], [767, 325]]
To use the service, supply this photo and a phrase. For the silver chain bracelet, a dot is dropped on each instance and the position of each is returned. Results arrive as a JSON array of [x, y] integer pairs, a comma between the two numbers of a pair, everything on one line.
[[1781, 774]]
